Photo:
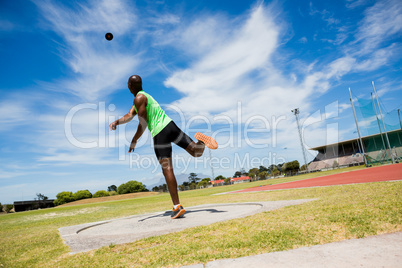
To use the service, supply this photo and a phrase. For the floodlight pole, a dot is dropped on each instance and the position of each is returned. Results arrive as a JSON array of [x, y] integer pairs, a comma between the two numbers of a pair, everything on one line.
[[358, 130], [378, 121], [385, 130], [399, 119], [296, 113], [210, 164]]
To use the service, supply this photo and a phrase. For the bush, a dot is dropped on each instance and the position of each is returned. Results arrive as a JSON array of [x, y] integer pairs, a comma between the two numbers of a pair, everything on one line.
[[101, 193], [63, 197], [1, 208], [262, 175], [8, 207], [113, 193], [82, 194], [203, 184], [131, 187]]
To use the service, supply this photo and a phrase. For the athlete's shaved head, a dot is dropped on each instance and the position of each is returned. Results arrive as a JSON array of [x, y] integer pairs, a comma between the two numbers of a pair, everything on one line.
[[134, 84]]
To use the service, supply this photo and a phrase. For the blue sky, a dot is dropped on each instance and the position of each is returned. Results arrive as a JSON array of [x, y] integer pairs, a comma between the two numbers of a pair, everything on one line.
[[232, 69]]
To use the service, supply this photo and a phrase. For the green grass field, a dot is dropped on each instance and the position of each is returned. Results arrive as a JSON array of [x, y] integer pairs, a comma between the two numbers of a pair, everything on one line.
[[31, 239]]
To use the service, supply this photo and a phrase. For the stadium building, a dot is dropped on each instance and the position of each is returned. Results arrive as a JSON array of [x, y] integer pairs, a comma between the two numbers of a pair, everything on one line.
[[349, 153]]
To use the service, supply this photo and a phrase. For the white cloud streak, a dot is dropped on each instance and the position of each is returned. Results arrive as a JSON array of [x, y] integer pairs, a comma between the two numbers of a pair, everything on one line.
[[99, 65]]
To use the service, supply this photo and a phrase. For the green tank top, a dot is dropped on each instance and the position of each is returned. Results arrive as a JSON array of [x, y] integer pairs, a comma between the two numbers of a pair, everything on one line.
[[156, 117]]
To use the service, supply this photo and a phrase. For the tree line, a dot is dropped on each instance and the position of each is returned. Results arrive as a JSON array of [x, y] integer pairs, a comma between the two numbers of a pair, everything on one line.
[[288, 168], [261, 173], [125, 188], [193, 183]]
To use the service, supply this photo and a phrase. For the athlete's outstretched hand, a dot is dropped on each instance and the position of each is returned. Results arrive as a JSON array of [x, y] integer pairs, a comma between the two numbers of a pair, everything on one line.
[[132, 146], [113, 125]]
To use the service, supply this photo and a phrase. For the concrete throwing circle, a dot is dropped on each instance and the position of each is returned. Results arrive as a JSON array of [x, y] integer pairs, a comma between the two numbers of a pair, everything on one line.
[[90, 236]]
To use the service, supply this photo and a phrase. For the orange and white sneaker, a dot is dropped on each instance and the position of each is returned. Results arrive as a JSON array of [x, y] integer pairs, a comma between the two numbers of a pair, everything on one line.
[[207, 140], [178, 212]]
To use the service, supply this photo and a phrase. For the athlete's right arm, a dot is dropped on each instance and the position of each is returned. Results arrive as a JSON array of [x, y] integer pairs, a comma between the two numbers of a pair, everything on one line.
[[125, 119]]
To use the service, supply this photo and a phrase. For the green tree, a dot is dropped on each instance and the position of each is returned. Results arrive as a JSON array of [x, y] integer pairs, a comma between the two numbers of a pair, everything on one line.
[[41, 197], [220, 177], [131, 187], [275, 171], [101, 193], [8, 207], [155, 189], [227, 181], [271, 168], [1, 208], [237, 174], [112, 188], [291, 167], [262, 175], [193, 178], [204, 182], [82, 194], [63, 198], [262, 168], [279, 167], [163, 187], [253, 172]]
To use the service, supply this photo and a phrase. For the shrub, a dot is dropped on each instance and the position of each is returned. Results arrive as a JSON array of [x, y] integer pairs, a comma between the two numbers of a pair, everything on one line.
[[131, 187], [113, 193], [63, 197], [82, 194], [112, 188], [101, 193], [203, 184], [262, 175], [8, 208]]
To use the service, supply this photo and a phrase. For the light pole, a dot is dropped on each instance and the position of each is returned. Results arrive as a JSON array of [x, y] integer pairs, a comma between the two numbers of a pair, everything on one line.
[[296, 113], [399, 119]]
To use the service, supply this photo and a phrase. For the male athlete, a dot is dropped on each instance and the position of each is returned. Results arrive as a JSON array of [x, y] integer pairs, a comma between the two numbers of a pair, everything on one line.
[[164, 131]]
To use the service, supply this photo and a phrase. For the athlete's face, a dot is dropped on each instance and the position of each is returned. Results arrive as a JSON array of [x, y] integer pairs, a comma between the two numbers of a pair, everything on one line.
[[130, 87]]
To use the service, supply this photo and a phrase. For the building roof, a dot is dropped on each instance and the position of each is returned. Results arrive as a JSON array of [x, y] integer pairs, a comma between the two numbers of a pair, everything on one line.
[[217, 181], [351, 140], [240, 178]]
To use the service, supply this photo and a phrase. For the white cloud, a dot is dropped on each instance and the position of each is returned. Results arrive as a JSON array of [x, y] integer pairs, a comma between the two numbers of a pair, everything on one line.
[[381, 21], [355, 3], [99, 65], [303, 40], [13, 114]]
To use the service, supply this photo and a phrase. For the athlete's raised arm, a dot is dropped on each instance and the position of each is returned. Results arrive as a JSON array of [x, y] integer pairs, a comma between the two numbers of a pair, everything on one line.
[[125, 119], [140, 102]]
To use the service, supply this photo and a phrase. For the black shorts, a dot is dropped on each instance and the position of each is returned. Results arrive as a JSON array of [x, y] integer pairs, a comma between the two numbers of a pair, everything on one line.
[[163, 140]]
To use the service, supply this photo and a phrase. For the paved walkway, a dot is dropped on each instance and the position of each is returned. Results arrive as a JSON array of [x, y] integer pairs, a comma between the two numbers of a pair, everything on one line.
[[374, 251]]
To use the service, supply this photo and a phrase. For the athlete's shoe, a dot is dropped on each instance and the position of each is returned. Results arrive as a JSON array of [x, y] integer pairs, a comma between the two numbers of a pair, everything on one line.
[[209, 141], [178, 212]]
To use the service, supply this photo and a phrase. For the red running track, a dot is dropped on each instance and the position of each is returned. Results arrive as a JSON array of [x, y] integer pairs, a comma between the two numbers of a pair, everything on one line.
[[373, 174]]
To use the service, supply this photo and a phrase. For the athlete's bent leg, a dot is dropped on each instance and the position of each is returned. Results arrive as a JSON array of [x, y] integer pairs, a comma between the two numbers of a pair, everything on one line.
[[196, 149], [167, 170]]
